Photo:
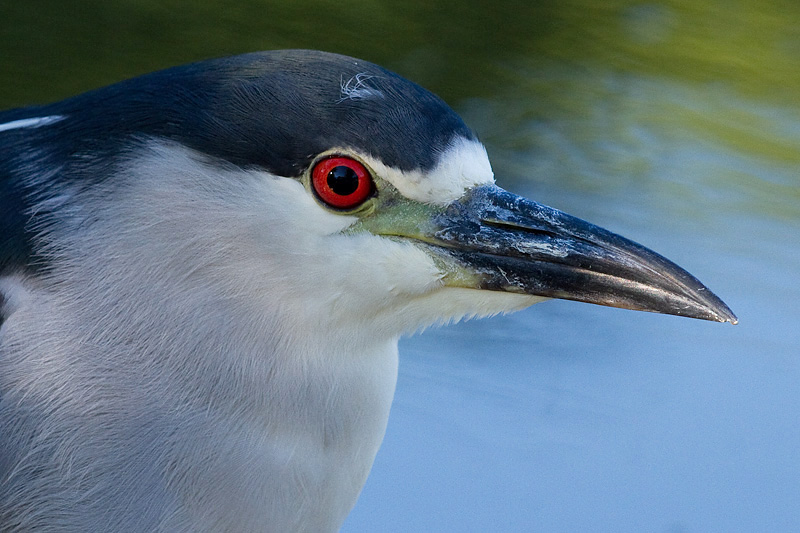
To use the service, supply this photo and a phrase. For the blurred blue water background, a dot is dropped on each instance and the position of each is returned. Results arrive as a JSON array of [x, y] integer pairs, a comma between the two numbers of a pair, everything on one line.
[[674, 123]]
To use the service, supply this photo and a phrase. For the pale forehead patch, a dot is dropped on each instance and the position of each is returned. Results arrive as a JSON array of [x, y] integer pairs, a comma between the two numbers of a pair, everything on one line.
[[463, 165]]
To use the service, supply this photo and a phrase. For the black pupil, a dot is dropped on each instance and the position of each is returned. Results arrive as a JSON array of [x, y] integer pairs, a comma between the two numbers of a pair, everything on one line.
[[343, 180]]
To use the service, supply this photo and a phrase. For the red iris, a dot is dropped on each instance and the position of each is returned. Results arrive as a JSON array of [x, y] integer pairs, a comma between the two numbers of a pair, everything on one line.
[[341, 182]]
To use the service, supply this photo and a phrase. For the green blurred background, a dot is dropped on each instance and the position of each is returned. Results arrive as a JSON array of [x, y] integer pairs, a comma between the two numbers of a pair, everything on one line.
[[53, 49], [676, 123]]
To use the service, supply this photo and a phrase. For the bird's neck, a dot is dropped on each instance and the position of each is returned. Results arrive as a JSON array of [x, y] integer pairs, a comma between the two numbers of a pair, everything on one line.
[[296, 452], [282, 433], [202, 415]]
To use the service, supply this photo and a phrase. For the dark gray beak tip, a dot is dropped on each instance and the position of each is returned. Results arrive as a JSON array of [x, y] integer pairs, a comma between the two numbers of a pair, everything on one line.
[[721, 312], [704, 305]]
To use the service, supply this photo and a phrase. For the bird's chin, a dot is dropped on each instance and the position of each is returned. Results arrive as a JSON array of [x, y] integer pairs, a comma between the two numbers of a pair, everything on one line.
[[448, 305], [483, 303]]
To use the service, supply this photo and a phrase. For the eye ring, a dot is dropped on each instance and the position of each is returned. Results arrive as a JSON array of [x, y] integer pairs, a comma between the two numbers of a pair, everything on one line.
[[341, 182]]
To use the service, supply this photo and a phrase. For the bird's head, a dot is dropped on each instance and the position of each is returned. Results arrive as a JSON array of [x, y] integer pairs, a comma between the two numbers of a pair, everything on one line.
[[358, 191]]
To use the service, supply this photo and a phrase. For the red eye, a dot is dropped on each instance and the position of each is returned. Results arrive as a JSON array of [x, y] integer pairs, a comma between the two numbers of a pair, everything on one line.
[[341, 182]]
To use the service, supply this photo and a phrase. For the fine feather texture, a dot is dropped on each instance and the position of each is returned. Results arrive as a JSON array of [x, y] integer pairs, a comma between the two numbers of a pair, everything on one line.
[[206, 352]]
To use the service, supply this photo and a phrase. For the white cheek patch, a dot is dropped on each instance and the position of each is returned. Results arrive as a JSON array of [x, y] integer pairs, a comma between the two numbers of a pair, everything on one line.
[[31, 122], [463, 165]]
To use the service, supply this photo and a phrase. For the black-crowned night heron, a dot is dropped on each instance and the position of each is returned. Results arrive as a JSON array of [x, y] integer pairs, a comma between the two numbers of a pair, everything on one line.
[[204, 273]]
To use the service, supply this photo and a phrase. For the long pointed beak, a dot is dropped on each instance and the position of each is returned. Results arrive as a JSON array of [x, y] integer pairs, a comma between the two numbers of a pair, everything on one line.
[[509, 243]]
